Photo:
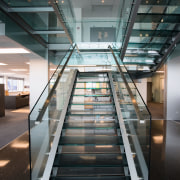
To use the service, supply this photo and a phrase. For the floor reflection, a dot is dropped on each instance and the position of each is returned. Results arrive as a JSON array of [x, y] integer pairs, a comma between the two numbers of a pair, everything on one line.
[[165, 156], [14, 160]]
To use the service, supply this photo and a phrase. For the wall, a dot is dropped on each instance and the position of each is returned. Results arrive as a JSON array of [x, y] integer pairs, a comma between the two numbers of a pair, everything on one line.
[[38, 80], [142, 87], [173, 85]]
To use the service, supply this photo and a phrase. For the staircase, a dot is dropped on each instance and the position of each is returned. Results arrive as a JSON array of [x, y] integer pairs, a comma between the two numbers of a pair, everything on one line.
[[91, 146]]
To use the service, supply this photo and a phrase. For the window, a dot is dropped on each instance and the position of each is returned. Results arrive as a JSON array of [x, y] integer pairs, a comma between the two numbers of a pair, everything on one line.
[[15, 84]]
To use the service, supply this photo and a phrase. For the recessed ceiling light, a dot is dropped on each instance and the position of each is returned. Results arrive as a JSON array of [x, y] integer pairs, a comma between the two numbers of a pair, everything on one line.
[[13, 51], [7, 74], [16, 70], [3, 64]]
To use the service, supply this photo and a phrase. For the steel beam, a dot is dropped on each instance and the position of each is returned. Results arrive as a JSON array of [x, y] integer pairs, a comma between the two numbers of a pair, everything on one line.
[[30, 9], [58, 46], [48, 32], [130, 27], [61, 20]]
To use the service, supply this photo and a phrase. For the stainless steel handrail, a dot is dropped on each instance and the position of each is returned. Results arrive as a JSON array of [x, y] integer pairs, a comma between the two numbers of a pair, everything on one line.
[[138, 113], [41, 114], [130, 160]]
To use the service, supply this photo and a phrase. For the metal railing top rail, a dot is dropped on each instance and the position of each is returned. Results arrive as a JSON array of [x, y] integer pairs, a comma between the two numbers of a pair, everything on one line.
[[138, 113], [130, 160], [42, 111]]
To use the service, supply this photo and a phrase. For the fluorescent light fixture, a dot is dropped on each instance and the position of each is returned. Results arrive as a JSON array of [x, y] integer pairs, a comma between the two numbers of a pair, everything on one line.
[[13, 51], [7, 73], [17, 70], [3, 64]]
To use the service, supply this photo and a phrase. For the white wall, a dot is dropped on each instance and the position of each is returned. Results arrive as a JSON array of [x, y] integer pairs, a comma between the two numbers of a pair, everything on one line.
[[142, 87], [173, 85], [38, 78]]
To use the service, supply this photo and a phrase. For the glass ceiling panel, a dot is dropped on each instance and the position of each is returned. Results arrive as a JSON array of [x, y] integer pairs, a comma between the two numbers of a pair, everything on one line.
[[160, 2], [156, 23], [93, 58], [151, 33], [57, 39], [42, 21], [152, 46], [27, 3], [97, 20], [157, 18], [159, 9]]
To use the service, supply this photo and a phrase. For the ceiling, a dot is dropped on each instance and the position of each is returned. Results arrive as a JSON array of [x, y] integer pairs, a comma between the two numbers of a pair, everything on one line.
[[143, 31], [16, 64]]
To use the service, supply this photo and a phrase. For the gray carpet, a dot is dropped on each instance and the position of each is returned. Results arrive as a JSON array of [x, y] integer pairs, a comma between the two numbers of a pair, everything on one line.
[[14, 124]]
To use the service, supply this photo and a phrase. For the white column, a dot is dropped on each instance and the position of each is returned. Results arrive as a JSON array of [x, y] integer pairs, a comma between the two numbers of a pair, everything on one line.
[[38, 78], [78, 14], [142, 87]]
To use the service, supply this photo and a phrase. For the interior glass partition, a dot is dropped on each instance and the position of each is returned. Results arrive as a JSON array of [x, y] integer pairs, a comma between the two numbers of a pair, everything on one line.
[[45, 115], [136, 117]]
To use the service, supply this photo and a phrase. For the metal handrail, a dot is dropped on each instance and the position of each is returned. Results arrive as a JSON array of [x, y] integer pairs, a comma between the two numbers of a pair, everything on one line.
[[138, 113], [137, 90], [130, 160], [41, 114]]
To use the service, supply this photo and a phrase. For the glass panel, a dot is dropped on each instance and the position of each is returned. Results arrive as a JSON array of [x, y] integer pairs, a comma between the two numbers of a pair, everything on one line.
[[15, 32], [42, 20], [96, 21], [41, 131], [160, 2], [136, 117], [27, 3]]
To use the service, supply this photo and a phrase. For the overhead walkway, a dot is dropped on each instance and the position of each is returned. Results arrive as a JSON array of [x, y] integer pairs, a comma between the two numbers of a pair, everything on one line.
[[90, 125]]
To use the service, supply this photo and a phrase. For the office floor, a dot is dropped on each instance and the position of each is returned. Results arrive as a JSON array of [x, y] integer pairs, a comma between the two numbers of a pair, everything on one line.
[[13, 124], [165, 156]]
